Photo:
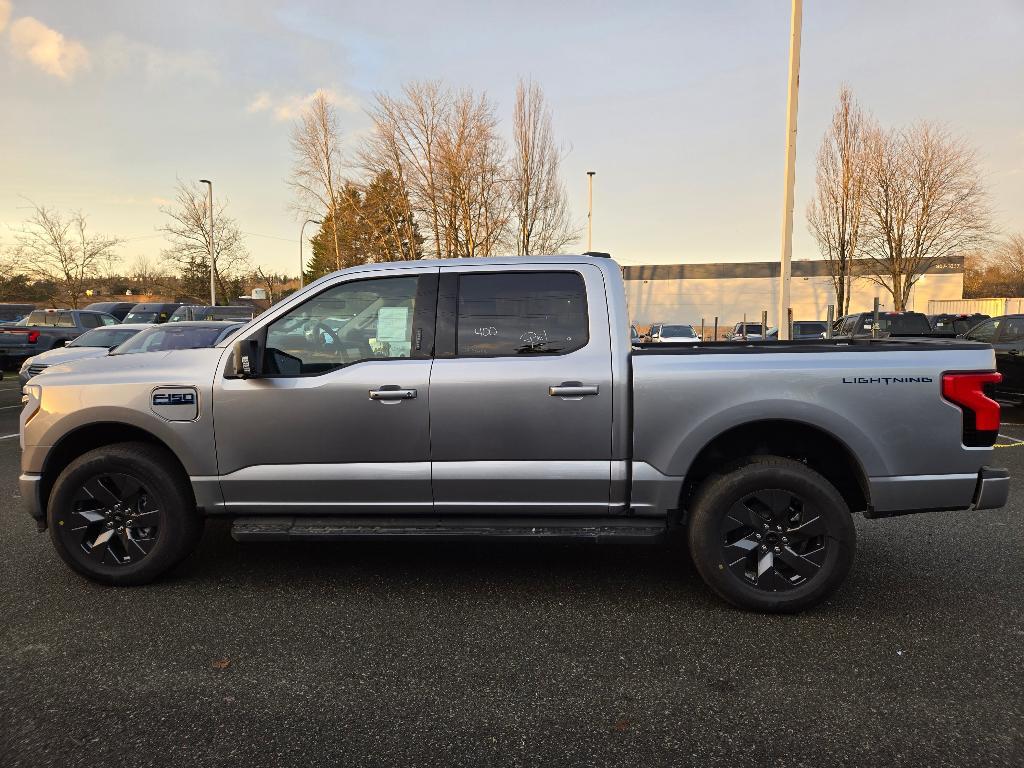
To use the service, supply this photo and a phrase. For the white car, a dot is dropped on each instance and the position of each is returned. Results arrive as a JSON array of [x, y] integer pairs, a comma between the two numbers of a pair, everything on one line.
[[674, 334], [95, 343]]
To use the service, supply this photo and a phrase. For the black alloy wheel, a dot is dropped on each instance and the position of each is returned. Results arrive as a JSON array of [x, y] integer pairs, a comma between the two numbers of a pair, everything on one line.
[[774, 540], [114, 519]]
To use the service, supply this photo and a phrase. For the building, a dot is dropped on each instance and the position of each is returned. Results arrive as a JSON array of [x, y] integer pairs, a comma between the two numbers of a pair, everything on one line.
[[685, 293]]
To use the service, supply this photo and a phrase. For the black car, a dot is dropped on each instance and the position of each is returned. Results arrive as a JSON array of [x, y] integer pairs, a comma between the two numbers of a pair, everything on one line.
[[860, 325], [1006, 335], [116, 308], [803, 329], [151, 313], [958, 324], [240, 312]]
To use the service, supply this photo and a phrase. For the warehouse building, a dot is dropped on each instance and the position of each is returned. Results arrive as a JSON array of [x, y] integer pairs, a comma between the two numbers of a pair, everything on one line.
[[685, 293]]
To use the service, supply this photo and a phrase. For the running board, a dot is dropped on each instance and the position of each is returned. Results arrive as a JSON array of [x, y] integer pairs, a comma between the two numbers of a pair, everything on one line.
[[350, 528]]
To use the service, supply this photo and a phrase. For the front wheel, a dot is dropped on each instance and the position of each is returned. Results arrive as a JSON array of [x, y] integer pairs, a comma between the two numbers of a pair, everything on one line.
[[123, 514], [772, 535]]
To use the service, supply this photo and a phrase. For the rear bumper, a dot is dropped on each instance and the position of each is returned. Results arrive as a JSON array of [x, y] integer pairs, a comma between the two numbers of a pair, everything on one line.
[[989, 488]]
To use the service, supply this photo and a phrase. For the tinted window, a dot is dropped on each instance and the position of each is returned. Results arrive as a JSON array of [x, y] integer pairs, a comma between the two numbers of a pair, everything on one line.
[[815, 328], [90, 321], [985, 332], [163, 338], [142, 316], [359, 320], [1013, 330], [678, 330], [521, 313], [103, 337]]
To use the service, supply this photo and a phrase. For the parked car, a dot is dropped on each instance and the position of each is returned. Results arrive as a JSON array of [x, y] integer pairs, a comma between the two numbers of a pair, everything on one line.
[[226, 312], [802, 330], [745, 332], [45, 329], [151, 313], [955, 324], [503, 387], [95, 343], [1006, 335], [634, 335], [859, 325], [181, 335], [118, 309], [675, 334], [12, 313]]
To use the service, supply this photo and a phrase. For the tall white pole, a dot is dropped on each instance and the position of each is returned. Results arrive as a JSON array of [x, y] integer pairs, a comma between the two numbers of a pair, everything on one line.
[[590, 210], [213, 274], [785, 271]]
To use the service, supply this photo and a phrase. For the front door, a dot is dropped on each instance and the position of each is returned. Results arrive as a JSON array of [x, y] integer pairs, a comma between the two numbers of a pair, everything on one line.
[[338, 421], [521, 392]]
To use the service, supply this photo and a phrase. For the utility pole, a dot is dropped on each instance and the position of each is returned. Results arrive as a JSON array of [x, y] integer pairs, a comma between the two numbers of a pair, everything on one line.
[[590, 210], [302, 236], [785, 271], [213, 273]]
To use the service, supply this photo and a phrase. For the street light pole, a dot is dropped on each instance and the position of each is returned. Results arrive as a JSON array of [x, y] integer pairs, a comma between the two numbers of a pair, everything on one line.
[[213, 273], [785, 267], [590, 210], [302, 236]]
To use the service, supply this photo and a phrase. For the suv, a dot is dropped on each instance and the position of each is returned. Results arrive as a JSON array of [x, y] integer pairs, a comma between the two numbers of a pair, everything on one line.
[[239, 312], [153, 313], [861, 325], [957, 325]]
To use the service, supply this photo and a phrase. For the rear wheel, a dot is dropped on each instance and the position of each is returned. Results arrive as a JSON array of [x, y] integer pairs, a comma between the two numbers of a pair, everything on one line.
[[123, 514], [771, 535]]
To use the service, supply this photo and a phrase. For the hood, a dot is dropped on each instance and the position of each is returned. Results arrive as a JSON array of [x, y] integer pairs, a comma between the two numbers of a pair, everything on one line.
[[180, 366], [67, 354]]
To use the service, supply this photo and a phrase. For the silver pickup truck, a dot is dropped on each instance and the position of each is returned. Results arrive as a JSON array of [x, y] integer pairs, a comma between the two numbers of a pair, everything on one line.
[[502, 398]]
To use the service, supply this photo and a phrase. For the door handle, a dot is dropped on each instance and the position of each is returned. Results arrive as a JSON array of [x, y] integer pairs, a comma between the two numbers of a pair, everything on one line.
[[392, 392], [572, 389]]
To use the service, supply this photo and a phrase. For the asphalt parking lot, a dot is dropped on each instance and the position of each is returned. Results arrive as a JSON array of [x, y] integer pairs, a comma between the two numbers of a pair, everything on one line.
[[501, 654]]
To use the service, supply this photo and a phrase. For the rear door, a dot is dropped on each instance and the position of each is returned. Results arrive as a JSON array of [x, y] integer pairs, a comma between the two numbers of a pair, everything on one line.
[[1009, 346], [521, 391]]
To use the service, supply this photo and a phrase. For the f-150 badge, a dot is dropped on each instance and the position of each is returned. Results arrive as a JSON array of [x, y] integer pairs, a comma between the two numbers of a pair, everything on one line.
[[175, 403]]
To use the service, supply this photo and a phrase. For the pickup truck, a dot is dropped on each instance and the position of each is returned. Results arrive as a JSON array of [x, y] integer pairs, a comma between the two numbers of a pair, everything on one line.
[[46, 329], [501, 398]]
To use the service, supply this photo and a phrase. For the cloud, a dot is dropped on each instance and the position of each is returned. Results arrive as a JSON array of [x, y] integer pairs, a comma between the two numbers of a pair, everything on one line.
[[47, 48], [291, 106], [5, 13], [157, 64]]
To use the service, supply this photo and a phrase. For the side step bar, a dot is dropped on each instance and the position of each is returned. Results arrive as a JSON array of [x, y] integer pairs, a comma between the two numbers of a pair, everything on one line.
[[350, 528]]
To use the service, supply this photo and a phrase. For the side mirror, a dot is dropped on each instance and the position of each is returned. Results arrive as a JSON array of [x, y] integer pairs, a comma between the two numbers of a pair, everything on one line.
[[247, 358]]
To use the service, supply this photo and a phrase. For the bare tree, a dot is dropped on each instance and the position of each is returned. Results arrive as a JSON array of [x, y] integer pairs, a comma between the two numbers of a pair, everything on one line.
[[316, 175], [924, 201], [188, 235], [540, 208], [57, 249], [144, 271], [835, 214]]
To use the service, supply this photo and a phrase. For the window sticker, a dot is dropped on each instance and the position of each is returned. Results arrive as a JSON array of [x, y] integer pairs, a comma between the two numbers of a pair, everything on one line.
[[391, 323]]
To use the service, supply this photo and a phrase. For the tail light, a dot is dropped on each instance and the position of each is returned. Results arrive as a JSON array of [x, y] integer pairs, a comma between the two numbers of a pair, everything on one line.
[[33, 337], [980, 412]]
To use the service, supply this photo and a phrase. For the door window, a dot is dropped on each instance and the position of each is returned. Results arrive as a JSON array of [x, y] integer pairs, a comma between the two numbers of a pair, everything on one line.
[[90, 321], [1013, 331], [985, 332], [355, 321], [521, 313]]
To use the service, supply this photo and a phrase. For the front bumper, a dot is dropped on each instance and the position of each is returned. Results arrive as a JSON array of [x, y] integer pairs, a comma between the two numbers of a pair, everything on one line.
[[31, 487]]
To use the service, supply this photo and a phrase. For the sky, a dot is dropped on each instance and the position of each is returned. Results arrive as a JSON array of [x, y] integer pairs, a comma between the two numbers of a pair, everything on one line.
[[679, 107]]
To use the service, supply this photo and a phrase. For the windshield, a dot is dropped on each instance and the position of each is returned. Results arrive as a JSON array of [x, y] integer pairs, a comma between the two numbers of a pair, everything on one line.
[[145, 316], [684, 331], [104, 337], [167, 337], [910, 323]]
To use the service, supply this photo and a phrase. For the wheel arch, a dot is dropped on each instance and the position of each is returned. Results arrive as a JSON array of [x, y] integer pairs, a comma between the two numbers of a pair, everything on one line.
[[818, 448], [89, 437]]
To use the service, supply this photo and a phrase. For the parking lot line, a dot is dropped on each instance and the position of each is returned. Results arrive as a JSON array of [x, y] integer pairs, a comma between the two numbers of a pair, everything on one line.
[[8, 437]]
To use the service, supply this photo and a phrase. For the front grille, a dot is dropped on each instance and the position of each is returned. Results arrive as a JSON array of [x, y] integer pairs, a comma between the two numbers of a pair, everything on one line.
[[35, 369]]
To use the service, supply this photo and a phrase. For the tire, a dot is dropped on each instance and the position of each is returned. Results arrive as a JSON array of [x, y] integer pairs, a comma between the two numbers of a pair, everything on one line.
[[123, 514], [771, 535]]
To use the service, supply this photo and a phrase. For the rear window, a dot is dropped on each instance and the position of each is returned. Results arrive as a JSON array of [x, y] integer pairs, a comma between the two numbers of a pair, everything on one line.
[[899, 324], [809, 328], [167, 337], [104, 337], [55, 319], [521, 313]]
